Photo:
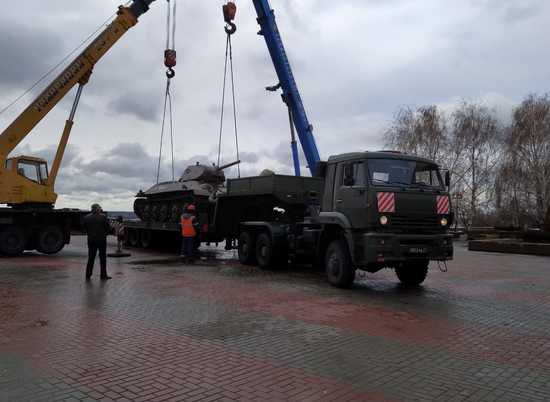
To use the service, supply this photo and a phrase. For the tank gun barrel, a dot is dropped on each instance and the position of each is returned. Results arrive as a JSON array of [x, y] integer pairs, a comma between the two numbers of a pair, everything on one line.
[[223, 167]]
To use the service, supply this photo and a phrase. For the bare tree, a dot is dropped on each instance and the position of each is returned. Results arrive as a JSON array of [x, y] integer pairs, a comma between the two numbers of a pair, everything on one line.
[[476, 131], [420, 132], [528, 150]]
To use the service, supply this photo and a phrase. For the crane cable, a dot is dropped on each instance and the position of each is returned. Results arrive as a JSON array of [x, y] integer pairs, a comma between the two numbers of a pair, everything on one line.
[[63, 60], [167, 106], [170, 63], [229, 11]]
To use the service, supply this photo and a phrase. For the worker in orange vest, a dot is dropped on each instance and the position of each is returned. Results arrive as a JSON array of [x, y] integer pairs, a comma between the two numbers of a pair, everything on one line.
[[189, 231]]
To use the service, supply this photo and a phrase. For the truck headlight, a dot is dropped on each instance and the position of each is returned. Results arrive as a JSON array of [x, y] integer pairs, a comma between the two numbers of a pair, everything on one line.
[[444, 222], [383, 220]]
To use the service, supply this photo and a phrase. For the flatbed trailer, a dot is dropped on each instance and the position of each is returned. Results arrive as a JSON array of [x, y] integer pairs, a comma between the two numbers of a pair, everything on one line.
[[46, 230], [141, 234]]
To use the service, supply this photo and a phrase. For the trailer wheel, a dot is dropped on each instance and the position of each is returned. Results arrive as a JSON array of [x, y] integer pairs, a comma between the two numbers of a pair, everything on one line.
[[412, 273], [133, 237], [146, 238], [246, 249], [338, 267], [50, 240], [12, 241]]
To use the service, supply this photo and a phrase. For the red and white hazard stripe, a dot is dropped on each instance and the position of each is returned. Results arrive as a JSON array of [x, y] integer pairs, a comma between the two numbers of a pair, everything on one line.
[[386, 202], [443, 205]]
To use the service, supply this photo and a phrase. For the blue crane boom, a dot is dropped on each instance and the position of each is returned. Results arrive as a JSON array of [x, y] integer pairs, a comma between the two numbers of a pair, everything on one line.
[[291, 94]]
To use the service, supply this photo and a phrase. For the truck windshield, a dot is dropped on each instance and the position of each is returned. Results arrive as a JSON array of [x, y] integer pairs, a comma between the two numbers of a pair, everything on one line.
[[404, 172]]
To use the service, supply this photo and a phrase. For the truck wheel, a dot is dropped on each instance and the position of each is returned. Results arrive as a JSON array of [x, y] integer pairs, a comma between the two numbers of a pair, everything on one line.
[[12, 241], [264, 251], [340, 272], [412, 273], [146, 238], [247, 249], [133, 238], [50, 240]]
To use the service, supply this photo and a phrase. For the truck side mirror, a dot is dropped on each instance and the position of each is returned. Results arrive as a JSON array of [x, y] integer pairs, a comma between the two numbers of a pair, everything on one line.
[[447, 179]]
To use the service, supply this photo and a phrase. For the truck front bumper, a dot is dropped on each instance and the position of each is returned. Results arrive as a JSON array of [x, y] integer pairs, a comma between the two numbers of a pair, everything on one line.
[[389, 249]]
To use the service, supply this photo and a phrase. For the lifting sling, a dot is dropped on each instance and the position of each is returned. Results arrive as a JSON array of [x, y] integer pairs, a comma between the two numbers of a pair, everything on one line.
[[229, 12], [170, 63]]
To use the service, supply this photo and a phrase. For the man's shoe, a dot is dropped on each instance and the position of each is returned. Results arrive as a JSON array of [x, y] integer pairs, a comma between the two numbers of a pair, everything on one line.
[[104, 278]]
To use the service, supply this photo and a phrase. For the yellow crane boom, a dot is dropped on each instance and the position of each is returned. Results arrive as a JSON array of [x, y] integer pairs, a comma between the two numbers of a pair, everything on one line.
[[24, 180]]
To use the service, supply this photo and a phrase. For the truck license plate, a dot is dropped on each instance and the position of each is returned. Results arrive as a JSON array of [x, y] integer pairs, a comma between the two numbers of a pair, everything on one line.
[[418, 250]]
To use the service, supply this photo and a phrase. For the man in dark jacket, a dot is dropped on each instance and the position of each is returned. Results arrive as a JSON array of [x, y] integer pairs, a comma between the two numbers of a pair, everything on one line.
[[97, 227]]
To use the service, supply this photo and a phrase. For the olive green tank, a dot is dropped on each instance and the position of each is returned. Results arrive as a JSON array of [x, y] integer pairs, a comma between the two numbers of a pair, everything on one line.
[[164, 202]]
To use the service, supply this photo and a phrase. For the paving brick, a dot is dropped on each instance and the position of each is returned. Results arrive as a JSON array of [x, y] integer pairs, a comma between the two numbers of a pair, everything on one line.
[[168, 332]]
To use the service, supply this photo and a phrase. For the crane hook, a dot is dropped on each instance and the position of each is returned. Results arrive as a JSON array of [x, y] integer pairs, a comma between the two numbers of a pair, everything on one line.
[[229, 12], [230, 28], [170, 62]]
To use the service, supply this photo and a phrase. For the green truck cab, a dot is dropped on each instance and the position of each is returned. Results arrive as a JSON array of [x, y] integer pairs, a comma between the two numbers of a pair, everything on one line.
[[392, 210], [367, 211]]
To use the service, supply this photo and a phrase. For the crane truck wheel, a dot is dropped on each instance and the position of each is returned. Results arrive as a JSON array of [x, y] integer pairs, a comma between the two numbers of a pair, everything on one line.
[[412, 273], [247, 249], [338, 267], [12, 241], [50, 240]]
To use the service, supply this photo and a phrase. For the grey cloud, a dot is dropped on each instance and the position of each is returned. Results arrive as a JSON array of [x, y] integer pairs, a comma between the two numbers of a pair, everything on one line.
[[27, 53], [248, 157], [355, 61], [521, 12], [48, 154], [137, 103], [512, 11]]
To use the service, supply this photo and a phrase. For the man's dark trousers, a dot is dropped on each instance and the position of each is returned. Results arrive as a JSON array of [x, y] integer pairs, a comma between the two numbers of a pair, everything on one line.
[[93, 248]]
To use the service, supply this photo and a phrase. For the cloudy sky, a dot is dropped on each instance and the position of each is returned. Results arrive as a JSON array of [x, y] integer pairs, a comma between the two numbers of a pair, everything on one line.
[[356, 63]]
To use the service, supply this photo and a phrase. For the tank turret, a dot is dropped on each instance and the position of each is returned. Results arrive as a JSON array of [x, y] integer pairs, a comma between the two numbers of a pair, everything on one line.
[[164, 202]]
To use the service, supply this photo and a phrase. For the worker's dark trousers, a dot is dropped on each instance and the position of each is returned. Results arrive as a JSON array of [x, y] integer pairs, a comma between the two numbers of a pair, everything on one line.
[[93, 248], [187, 246]]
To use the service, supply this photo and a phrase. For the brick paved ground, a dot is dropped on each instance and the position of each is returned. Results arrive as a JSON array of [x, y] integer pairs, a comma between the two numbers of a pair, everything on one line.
[[218, 332]]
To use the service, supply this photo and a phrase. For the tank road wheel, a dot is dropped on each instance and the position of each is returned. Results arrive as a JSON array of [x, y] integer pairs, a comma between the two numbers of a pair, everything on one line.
[[50, 240], [412, 273], [340, 272], [146, 238], [164, 212], [147, 215], [12, 241], [176, 213], [247, 252]]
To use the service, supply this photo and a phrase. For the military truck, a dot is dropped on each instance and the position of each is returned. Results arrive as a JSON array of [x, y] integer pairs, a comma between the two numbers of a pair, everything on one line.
[[366, 210]]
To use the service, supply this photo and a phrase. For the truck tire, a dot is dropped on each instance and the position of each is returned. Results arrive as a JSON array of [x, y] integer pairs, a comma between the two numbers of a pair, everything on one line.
[[338, 267], [146, 238], [264, 251], [12, 241], [247, 249], [133, 237], [412, 273], [50, 240]]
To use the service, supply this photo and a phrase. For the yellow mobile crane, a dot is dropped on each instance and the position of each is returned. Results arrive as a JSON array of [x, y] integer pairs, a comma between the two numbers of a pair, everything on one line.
[[26, 186]]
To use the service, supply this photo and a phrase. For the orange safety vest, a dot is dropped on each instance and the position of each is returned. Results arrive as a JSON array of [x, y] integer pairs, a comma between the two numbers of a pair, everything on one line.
[[187, 228]]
